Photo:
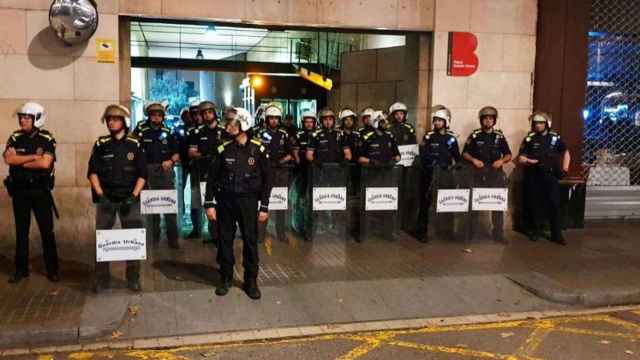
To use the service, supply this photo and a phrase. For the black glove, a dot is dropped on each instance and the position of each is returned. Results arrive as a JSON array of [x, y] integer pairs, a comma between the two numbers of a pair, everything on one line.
[[128, 202]]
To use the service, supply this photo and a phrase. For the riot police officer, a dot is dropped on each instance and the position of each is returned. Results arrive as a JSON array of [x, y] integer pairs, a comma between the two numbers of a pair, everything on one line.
[[194, 110], [403, 132], [348, 126], [366, 121], [117, 173], [438, 151], [303, 137], [203, 143], [328, 145], [487, 149], [379, 147], [546, 160], [30, 154], [280, 149], [161, 151], [239, 181], [181, 134]]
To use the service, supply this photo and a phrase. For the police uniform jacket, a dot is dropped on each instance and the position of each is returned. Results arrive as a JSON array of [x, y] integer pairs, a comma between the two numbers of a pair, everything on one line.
[[439, 150], [158, 143], [379, 146], [206, 140], [38, 142], [240, 170], [487, 147], [328, 145], [404, 133], [277, 143], [118, 165], [547, 148]]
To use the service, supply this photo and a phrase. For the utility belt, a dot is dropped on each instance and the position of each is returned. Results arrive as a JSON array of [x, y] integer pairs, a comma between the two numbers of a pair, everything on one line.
[[44, 183]]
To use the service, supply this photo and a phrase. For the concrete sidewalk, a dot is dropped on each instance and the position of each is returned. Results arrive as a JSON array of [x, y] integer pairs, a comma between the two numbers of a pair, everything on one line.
[[326, 282]]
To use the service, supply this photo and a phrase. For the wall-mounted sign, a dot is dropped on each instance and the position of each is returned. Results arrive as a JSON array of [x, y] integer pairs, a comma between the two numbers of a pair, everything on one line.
[[279, 199], [490, 199], [462, 58], [315, 78], [105, 51], [381, 199], [121, 245], [453, 200], [329, 198], [159, 202]]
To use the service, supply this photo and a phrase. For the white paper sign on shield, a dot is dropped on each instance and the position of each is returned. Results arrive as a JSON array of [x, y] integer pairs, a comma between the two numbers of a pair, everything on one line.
[[279, 199], [159, 202], [381, 199], [490, 199], [453, 200], [121, 245], [329, 198], [408, 153]]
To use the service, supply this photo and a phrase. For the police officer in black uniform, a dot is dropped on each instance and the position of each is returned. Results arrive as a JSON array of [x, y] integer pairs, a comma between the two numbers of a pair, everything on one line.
[[239, 180], [30, 154], [379, 147], [348, 126], [195, 211], [487, 149], [546, 160], [280, 148], [117, 173], [181, 134], [438, 151], [161, 151], [301, 171], [203, 143], [328, 145], [403, 132], [366, 121]]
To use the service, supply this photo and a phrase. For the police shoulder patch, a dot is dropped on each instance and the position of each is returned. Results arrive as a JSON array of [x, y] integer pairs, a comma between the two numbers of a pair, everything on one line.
[[449, 132], [283, 131], [367, 135], [165, 129], [133, 139], [409, 126], [257, 142]]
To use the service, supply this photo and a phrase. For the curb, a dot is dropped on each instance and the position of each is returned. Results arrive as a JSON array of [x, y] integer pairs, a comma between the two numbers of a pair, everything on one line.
[[252, 336], [549, 289]]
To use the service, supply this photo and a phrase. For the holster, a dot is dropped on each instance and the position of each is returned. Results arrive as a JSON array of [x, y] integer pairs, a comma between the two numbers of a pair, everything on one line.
[[9, 185]]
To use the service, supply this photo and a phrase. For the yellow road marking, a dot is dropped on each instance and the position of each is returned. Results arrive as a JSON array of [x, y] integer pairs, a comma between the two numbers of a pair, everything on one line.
[[370, 341]]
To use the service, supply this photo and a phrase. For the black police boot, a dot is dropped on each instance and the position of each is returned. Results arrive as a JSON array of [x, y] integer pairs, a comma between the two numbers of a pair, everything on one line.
[[223, 288], [534, 236], [134, 285], [17, 277], [423, 238], [194, 234], [100, 286], [559, 239], [250, 287]]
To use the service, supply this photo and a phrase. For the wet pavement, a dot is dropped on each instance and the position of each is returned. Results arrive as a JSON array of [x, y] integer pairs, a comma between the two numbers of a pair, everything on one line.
[[328, 280], [614, 335]]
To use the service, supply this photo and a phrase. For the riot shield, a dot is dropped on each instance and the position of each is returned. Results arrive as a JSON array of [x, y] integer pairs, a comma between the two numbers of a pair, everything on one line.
[[379, 202], [328, 213], [489, 202], [449, 203], [410, 191], [279, 206]]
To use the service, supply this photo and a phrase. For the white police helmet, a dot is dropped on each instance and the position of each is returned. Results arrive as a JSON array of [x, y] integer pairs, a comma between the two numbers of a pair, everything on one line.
[[36, 111]]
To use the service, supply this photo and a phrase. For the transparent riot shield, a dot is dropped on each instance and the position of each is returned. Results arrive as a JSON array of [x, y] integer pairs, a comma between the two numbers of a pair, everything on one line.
[[328, 213], [449, 203], [410, 191], [279, 206], [489, 202], [379, 202]]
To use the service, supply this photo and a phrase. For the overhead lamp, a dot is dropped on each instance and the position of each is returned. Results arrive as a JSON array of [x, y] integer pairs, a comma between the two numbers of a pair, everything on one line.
[[199, 55]]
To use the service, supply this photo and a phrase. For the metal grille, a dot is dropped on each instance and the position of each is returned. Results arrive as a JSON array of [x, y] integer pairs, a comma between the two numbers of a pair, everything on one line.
[[612, 110]]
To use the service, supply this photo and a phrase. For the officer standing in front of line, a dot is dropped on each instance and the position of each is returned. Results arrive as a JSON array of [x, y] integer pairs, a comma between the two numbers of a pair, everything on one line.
[[30, 154], [239, 181], [161, 151], [438, 151], [487, 149], [546, 160], [117, 173]]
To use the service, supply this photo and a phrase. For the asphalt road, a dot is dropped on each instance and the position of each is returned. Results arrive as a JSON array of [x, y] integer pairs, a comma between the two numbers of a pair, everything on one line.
[[607, 336]]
